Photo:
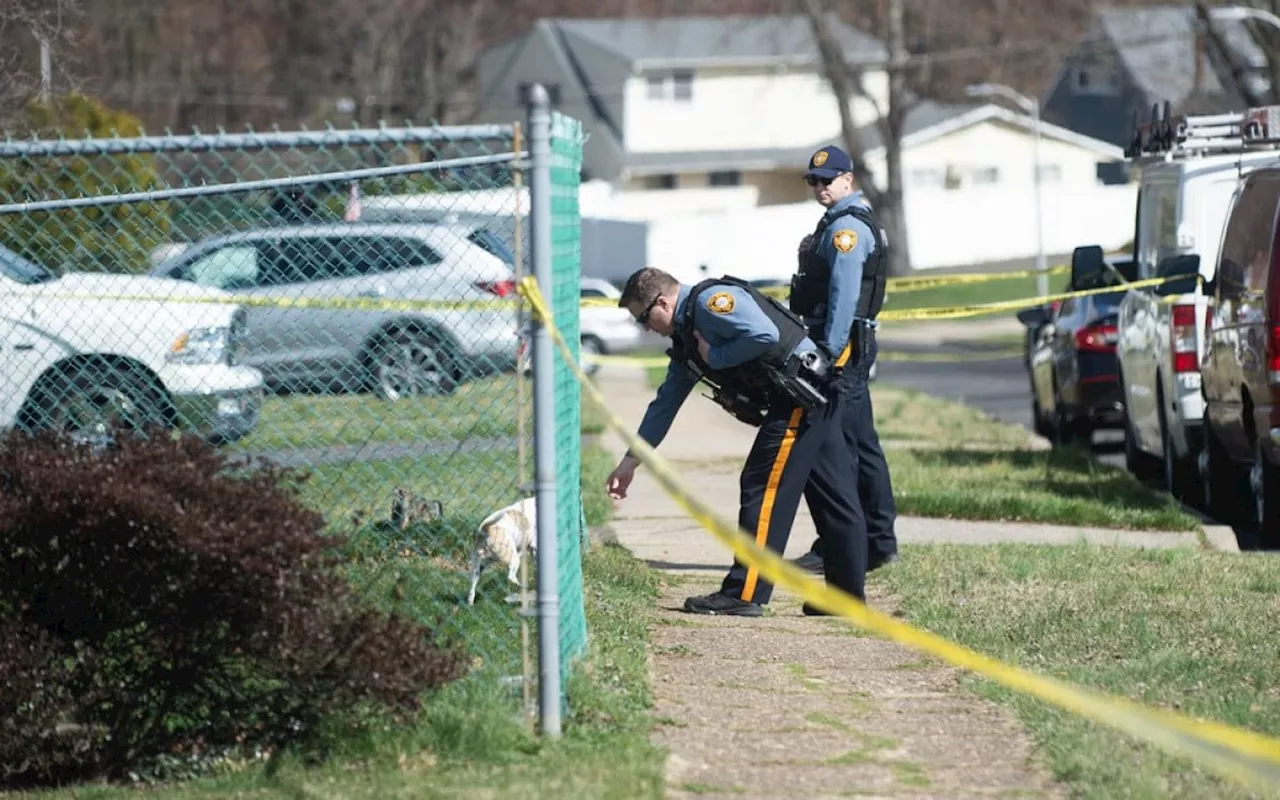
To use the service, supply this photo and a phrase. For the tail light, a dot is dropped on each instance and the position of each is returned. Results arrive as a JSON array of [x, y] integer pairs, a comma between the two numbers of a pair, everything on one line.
[[1096, 339], [1182, 335], [500, 288]]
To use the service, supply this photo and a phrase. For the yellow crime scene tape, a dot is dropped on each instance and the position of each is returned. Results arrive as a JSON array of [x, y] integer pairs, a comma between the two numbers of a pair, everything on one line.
[[1250, 758], [409, 304]]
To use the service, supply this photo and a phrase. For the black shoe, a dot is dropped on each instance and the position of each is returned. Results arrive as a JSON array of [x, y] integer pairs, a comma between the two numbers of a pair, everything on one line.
[[811, 562], [877, 562], [724, 605], [814, 611]]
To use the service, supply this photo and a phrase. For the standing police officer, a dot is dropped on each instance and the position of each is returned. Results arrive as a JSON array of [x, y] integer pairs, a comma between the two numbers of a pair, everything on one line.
[[770, 373], [838, 289]]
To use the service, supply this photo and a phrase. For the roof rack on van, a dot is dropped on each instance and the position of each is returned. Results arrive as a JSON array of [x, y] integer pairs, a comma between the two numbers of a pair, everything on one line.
[[1168, 137]]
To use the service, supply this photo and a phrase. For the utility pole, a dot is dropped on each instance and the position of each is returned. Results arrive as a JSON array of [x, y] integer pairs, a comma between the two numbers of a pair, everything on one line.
[[46, 67]]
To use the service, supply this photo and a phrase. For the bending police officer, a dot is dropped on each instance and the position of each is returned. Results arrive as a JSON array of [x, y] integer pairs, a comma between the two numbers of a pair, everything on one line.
[[838, 289], [754, 350]]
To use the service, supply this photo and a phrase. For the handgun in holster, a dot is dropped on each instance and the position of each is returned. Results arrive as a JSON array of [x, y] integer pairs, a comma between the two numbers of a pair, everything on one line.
[[805, 377]]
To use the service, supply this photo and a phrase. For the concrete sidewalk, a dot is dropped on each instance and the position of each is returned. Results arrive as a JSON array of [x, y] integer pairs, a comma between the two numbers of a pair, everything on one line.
[[708, 447], [788, 705]]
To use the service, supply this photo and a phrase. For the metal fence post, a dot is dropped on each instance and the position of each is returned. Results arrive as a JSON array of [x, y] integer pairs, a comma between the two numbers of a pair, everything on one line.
[[544, 418]]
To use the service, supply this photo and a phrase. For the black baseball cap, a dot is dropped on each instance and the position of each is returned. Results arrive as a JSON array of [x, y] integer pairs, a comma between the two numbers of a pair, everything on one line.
[[828, 163]]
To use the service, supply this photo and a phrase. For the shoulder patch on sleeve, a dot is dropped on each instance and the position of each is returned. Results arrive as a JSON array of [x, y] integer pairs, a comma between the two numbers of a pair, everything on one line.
[[844, 240], [720, 303]]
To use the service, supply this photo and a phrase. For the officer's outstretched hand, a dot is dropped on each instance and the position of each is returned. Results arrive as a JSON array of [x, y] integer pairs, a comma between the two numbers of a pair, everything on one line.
[[620, 479]]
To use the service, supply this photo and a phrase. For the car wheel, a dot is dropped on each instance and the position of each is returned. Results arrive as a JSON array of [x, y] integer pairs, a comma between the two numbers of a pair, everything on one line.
[[590, 348], [407, 364], [1219, 479], [1038, 421], [1065, 431], [1264, 486], [1176, 471], [92, 403]]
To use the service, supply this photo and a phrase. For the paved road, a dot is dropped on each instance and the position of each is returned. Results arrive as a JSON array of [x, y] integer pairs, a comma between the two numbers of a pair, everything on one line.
[[997, 386]]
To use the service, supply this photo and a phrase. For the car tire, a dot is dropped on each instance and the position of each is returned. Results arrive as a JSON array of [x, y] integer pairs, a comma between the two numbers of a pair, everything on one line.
[[1219, 480], [1178, 474], [407, 363], [1038, 421], [1264, 492], [92, 402], [1067, 431], [591, 346], [1139, 464]]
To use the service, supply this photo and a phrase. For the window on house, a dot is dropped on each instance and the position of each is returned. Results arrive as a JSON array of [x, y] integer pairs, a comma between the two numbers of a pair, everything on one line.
[[927, 178], [953, 178], [682, 85], [1050, 173], [667, 181], [729, 177], [676, 85], [984, 176], [1096, 79]]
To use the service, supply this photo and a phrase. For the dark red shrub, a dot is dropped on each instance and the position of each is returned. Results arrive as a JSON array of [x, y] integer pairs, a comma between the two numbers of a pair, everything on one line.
[[160, 600]]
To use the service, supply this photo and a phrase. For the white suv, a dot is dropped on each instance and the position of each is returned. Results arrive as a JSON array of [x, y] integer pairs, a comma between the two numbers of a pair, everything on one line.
[[89, 354]]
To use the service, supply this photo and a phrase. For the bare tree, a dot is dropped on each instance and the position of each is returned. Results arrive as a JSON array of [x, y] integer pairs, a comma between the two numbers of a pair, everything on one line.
[[845, 79], [33, 33]]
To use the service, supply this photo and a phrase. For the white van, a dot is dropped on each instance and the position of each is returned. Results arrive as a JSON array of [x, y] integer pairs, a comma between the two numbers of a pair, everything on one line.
[[1186, 184]]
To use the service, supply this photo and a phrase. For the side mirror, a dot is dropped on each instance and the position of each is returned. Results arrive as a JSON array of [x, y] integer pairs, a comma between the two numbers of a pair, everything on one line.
[[1034, 317], [1087, 266]]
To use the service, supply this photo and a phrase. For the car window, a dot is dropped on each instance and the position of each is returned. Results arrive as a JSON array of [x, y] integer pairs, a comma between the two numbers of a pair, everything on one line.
[[373, 255], [233, 267], [1246, 245], [485, 239], [593, 293], [16, 268]]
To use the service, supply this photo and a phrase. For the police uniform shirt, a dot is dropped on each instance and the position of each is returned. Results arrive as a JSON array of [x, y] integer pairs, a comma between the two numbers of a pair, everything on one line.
[[846, 244], [736, 330]]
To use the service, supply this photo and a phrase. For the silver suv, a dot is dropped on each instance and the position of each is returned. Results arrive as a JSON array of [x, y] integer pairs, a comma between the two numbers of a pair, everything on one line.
[[396, 353]]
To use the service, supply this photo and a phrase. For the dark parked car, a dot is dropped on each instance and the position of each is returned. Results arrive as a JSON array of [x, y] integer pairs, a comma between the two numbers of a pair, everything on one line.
[[1240, 464], [1071, 353]]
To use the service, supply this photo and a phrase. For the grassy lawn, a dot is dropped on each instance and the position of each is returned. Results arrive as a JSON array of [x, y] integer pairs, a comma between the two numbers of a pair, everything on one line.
[[1066, 487], [470, 740], [965, 294], [481, 409], [1186, 630]]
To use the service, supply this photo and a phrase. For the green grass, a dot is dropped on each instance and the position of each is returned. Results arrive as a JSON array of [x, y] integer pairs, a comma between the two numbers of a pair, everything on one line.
[[1192, 631], [481, 409], [965, 294], [907, 415], [468, 742], [1066, 487]]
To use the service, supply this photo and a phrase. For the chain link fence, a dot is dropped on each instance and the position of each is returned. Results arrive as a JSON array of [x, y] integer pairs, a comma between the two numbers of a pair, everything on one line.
[[342, 303]]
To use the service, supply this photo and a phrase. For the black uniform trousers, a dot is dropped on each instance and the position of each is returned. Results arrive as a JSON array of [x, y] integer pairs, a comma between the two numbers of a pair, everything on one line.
[[797, 453], [858, 428]]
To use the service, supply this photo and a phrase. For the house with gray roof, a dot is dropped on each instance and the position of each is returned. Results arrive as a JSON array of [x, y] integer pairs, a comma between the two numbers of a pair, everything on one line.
[[719, 101], [1132, 59], [702, 123]]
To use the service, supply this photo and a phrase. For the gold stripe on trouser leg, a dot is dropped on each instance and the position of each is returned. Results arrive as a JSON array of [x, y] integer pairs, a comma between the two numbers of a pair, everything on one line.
[[770, 494]]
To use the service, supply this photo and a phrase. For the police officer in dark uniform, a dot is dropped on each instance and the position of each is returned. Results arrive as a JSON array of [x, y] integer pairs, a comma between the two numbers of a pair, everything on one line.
[[838, 289], [765, 370]]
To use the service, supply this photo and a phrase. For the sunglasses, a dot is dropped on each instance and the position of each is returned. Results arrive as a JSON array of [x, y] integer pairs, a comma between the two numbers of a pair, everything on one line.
[[643, 319], [813, 180]]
